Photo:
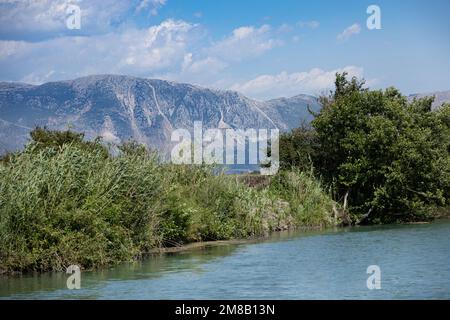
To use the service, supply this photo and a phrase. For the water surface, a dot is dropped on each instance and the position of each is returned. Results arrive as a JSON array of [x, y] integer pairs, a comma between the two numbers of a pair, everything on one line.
[[414, 262]]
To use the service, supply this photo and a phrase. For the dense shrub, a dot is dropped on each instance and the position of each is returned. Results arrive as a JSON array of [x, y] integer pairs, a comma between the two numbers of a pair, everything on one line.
[[388, 157], [66, 201], [67, 206]]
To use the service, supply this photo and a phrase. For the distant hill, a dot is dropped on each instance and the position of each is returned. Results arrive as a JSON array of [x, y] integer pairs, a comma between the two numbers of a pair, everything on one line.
[[147, 110], [440, 97], [121, 107]]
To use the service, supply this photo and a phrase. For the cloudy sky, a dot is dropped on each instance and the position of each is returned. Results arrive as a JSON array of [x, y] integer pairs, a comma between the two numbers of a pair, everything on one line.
[[262, 48]]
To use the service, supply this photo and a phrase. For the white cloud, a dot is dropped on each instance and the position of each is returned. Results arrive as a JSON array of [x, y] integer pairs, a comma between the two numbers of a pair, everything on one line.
[[245, 42], [348, 32], [285, 28], [11, 48], [20, 18], [152, 5], [174, 49], [313, 24], [284, 84], [207, 65], [159, 46], [139, 52]]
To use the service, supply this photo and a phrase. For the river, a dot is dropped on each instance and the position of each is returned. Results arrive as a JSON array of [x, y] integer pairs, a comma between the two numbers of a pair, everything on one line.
[[414, 261]]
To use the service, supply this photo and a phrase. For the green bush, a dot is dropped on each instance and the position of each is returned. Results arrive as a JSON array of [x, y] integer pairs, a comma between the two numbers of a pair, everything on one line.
[[308, 203], [70, 205], [65, 201], [387, 156]]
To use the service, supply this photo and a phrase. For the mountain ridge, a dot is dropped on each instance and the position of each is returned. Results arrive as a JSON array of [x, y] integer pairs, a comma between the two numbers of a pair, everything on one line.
[[120, 107]]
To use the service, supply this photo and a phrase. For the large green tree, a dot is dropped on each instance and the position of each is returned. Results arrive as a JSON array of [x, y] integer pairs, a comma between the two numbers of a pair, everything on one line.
[[387, 156]]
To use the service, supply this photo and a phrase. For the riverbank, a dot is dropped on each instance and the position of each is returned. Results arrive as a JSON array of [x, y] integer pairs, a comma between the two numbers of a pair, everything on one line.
[[217, 243], [65, 201], [328, 264]]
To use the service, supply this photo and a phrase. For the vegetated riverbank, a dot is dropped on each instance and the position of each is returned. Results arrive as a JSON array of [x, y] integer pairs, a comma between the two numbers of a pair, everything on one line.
[[384, 156], [294, 265], [66, 201]]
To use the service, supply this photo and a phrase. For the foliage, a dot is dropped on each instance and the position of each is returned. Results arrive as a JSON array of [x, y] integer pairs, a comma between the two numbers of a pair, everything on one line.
[[42, 138], [308, 203], [389, 155], [67, 201], [298, 148], [73, 206]]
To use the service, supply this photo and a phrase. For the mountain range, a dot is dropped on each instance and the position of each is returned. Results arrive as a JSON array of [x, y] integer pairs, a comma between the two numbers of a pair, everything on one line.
[[147, 110], [121, 107]]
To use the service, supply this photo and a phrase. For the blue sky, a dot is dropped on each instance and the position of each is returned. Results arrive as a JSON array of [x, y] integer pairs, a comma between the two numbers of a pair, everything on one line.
[[262, 48]]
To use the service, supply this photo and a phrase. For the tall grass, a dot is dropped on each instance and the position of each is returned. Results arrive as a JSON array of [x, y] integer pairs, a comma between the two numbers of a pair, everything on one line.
[[65, 206], [65, 203], [309, 205]]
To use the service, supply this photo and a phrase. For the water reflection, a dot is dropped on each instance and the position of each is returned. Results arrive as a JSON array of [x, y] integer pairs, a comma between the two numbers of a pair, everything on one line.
[[331, 264], [153, 266]]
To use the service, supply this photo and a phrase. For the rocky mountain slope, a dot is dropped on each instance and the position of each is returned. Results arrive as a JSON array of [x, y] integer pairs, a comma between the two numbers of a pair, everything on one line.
[[440, 97], [121, 107]]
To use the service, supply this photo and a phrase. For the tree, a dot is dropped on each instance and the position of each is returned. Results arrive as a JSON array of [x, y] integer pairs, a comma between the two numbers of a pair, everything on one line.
[[387, 156], [42, 138], [298, 148]]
